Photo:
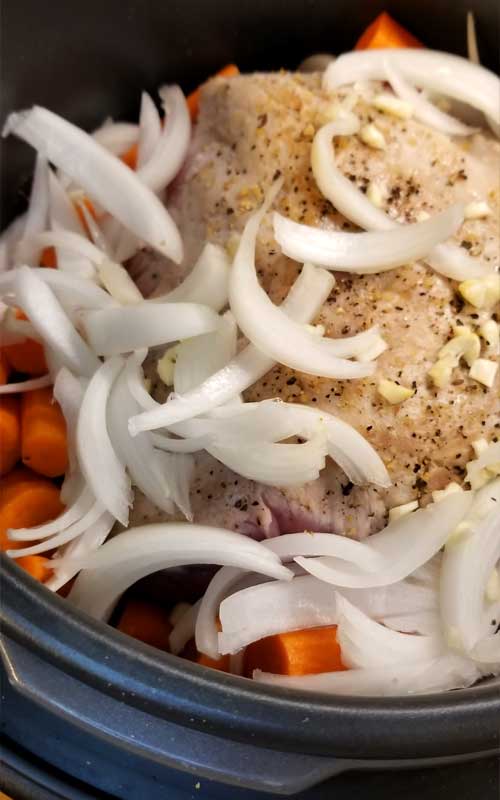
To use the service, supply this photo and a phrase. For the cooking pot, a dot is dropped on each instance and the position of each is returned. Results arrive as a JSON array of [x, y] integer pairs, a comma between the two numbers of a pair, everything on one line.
[[110, 712]]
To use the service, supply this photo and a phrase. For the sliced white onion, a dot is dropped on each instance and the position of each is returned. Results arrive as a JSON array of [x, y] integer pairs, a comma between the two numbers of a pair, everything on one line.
[[82, 546], [207, 283], [96, 233], [66, 242], [171, 148], [38, 209], [50, 321], [149, 129], [468, 561], [117, 137], [275, 464], [120, 330], [63, 537], [63, 219], [365, 253], [448, 259], [366, 644], [26, 386], [442, 73], [113, 185], [269, 328], [487, 650], [177, 470], [291, 545], [426, 623], [14, 330], [423, 109], [68, 391], [70, 515], [137, 454], [183, 630], [449, 671], [71, 290], [140, 551], [201, 356], [472, 48], [170, 445], [489, 458], [404, 544], [104, 472], [303, 302], [9, 240], [118, 282]]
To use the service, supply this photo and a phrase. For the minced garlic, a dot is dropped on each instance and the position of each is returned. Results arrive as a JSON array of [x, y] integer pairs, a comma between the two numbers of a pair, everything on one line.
[[464, 344], [490, 332], [393, 392], [481, 292], [484, 371], [479, 446], [477, 210], [376, 194], [401, 511], [165, 365], [372, 136], [440, 494], [389, 104]]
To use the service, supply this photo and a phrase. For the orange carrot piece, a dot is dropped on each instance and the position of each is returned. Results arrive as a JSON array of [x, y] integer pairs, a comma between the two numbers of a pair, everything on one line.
[[193, 99], [48, 258], [130, 157], [37, 566], [222, 663], [147, 622], [303, 652], [44, 446], [26, 500], [4, 368], [386, 32], [10, 432], [26, 356]]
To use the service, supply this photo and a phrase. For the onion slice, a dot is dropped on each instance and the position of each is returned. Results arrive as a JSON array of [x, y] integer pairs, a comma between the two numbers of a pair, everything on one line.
[[424, 110], [207, 283], [472, 48], [177, 471], [365, 253], [68, 391], [111, 331], [26, 386], [71, 290], [140, 551], [303, 302], [52, 324], [439, 72], [172, 145], [63, 537], [149, 129], [38, 209], [82, 546], [70, 515], [201, 356], [404, 544], [272, 331], [113, 185], [184, 629], [117, 137], [104, 472], [468, 561]]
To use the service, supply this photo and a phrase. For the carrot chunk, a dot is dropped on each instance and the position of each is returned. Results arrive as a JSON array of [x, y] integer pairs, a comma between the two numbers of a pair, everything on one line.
[[147, 622], [222, 663], [26, 500], [48, 258], [44, 446], [193, 99], [10, 432], [37, 566], [303, 652], [130, 157], [385, 32]]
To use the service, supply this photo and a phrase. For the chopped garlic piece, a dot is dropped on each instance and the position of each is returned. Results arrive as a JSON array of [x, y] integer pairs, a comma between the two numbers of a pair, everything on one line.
[[393, 392], [465, 345], [374, 351], [490, 332], [372, 136], [493, 587], [477, 210], [441, 372], [316, 330], [484, 371], [422, 216], [392, 105], [440, 494], [462, 330], [401, 511], [479, 446], [166, 364], [481, 292], [376, 194]]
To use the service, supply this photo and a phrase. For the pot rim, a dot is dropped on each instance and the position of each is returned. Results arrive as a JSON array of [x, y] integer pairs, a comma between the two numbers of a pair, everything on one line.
[[169, 687]]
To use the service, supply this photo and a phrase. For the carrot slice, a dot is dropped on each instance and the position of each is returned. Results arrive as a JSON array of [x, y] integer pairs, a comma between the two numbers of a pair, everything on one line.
[[10, 432], [386, 32], [147, 622], [130, 157], [4, 368], [26, 356], [37, 566], [44, 445], [26, 500], [222, 663], [48, 258], [193, 99], [303, 652]]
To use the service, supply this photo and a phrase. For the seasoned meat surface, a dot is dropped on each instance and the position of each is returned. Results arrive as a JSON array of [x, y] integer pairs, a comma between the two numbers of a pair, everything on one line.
[[252, 129]]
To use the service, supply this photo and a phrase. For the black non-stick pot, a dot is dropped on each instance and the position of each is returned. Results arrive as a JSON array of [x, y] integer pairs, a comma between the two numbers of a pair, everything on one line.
[[116, 715]]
